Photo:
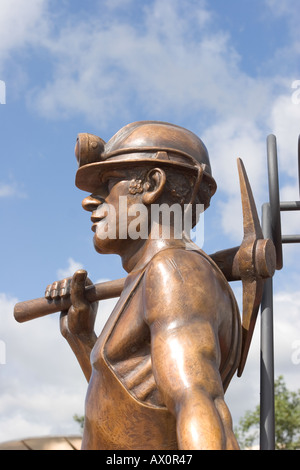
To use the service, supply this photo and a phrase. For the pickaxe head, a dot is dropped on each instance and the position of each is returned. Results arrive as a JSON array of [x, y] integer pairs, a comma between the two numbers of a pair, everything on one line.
[[255, 261]]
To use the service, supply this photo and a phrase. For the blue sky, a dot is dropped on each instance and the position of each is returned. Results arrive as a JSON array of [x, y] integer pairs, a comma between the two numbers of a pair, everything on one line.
[[222, 69]]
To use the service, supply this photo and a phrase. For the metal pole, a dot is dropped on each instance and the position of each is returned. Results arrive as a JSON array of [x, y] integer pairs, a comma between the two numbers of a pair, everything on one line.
[[267, 408], [299, 162], [274, 220], [271, 227]]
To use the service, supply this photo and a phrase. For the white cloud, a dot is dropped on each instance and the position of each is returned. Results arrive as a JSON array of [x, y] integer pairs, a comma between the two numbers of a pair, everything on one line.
[[284, 60], [176, 66], [290, 220], [8, 190], [174, 62], [42, 386], [286, 335], [228, 140], [70, 269], [24, 26], [244, 392], [21, 23], [288, 8], [285, 122]]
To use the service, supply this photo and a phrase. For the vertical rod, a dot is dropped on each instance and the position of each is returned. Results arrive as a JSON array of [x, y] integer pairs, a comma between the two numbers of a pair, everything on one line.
[[299, 162], [267, 407], [275, 222]]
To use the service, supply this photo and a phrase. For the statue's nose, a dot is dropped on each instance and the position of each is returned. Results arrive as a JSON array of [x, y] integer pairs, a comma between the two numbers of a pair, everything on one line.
[[91, 203]]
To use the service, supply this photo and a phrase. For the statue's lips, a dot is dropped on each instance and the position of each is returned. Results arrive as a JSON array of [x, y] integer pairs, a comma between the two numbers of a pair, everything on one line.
[[96, 221]]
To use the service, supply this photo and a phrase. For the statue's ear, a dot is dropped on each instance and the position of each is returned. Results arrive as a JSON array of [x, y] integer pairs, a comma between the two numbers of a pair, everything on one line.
[[156, 180]]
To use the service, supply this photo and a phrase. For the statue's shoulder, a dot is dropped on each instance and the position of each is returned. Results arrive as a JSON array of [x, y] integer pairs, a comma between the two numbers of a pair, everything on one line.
[[179, 263]]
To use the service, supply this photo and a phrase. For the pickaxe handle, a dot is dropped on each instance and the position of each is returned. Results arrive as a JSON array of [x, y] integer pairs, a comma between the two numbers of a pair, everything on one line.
[[31, 309], [36, 308], [227, 260]]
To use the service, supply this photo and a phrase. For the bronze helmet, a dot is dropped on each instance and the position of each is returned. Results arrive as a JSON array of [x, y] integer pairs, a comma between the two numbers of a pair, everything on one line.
[[151, 142]]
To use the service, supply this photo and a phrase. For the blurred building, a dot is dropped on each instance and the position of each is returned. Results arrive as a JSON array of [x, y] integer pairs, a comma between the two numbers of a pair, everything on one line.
[[44, 443]]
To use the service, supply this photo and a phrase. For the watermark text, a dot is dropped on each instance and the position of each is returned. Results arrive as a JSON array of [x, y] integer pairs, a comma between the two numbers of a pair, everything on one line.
[[2, 92], [159, 221], [296, 94], [2, 352], [296, 352]]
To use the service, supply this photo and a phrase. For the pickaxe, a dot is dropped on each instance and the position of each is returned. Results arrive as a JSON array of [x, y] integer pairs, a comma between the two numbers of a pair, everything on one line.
[[252, 262]]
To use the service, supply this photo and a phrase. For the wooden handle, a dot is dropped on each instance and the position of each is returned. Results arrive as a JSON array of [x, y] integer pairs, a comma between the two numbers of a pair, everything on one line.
[[31, 309]]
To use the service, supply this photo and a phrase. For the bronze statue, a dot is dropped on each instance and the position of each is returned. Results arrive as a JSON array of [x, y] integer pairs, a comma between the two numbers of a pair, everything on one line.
[[158, 372]]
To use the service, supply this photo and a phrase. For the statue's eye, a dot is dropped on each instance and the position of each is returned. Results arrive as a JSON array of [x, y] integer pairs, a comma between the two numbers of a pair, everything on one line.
[[111, 182]]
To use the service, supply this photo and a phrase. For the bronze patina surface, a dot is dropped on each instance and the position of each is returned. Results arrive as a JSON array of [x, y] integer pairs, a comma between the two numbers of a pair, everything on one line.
[[158, 372]]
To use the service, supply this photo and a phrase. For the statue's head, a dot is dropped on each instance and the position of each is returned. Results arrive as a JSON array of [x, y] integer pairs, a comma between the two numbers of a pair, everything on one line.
[[162, 162], [142, 143]]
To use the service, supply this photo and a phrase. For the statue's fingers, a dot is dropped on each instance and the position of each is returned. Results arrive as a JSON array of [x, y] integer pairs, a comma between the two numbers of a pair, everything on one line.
[[47, 292], [54, 290], [78, 289], [65, 287]]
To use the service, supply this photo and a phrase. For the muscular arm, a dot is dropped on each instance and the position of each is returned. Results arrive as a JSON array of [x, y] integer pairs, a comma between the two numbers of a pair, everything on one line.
[[183, 320]]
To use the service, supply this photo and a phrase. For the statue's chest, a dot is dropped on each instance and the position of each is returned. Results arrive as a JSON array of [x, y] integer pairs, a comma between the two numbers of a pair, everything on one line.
[[130, 335], [125, 345]]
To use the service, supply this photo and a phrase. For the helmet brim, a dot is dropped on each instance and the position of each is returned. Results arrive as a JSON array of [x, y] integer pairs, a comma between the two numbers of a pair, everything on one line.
[[88, 177]]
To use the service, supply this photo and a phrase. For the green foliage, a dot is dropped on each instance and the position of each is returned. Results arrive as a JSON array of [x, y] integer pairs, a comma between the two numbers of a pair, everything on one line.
[[80, 420], [287, 420]]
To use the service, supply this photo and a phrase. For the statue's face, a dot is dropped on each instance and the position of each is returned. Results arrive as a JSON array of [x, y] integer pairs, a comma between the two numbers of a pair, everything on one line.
[[113, 208]]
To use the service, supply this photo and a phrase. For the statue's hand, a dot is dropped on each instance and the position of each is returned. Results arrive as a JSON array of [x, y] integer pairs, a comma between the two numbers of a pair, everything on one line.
[[79, 320]]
